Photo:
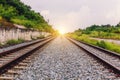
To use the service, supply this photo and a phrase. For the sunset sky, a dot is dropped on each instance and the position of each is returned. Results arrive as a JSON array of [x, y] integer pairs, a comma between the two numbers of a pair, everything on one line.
[[70, 15]]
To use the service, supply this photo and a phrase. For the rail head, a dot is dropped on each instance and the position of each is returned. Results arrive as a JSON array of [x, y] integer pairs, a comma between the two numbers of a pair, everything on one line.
[[15, 60], [111, 65], [99, 48]]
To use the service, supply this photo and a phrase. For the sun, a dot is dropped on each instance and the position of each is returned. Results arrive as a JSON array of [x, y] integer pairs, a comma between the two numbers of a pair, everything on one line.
[[61, 32]]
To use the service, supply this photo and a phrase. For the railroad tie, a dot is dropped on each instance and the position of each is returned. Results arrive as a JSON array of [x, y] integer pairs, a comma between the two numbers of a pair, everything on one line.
[[6, 78], [23, 64], [20, 67], [13, 72]]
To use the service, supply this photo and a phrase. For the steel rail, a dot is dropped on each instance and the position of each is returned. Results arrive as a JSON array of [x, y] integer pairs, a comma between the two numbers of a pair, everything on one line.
[[109, 58], [21, 53]]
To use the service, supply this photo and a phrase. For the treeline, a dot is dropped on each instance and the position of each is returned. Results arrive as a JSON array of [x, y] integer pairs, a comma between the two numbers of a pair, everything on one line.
[[14, 11], [97, 31], [104, 28], [101, 31]]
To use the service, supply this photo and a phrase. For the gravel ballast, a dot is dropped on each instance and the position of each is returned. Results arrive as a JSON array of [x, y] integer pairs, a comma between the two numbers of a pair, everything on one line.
[[62, 60]]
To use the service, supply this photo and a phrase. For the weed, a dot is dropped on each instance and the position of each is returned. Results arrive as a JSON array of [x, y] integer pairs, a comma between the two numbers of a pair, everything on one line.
[[104, 44], [13, 41]]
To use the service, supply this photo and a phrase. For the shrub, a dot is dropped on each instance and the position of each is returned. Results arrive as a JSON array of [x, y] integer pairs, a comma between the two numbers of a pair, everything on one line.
[[41, 37], [101, 44], [106, 45], [1, 45], [13, 41], [21, 40]]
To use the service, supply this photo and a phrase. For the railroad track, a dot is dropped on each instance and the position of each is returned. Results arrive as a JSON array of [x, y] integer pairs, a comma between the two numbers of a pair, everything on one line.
[[109, 58], [16, 59]]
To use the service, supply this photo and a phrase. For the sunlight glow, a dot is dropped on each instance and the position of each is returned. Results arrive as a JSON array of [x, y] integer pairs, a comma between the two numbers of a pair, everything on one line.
[[62, 32], [61, 29]]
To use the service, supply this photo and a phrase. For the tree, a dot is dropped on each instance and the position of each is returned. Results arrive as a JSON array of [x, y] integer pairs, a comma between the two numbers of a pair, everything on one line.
[[7, 12], [17, 12]]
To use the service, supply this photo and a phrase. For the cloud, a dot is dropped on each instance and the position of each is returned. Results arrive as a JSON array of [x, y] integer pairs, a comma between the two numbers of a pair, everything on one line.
[[78, 13], [72, 20]]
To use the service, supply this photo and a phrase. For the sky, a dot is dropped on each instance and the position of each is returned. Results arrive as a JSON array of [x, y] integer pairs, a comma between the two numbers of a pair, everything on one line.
[[69, 15]]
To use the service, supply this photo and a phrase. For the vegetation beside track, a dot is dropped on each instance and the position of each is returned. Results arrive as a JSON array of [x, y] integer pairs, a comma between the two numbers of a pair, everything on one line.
[[99, 31], [103, 44], [12, 42], [102, 31]]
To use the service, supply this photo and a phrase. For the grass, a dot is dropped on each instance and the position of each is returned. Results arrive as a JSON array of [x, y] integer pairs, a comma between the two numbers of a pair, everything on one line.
[[1, 44], [27, 23], [0, 18], [105, 35], [41, 37], [13, 41], [110, 46], [103, 44], [17, 41]]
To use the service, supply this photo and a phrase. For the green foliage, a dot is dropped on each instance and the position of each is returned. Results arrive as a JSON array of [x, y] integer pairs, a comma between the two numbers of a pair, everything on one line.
[[25, 22], [109, 46], [21, 40], [106, 45], [1, 45], [41, 37], [7, 12], [104, 28], [0, 18], [17, 12], [105, 35], [13, 41], [103, 31], [78, 32], [102, 44]]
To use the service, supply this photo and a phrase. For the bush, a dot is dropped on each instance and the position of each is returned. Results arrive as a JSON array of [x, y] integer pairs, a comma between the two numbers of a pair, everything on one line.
[[21, 40], [16, 12], [1, 45], [41, 37], [101, 44], [7, 12], [13, 41]]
